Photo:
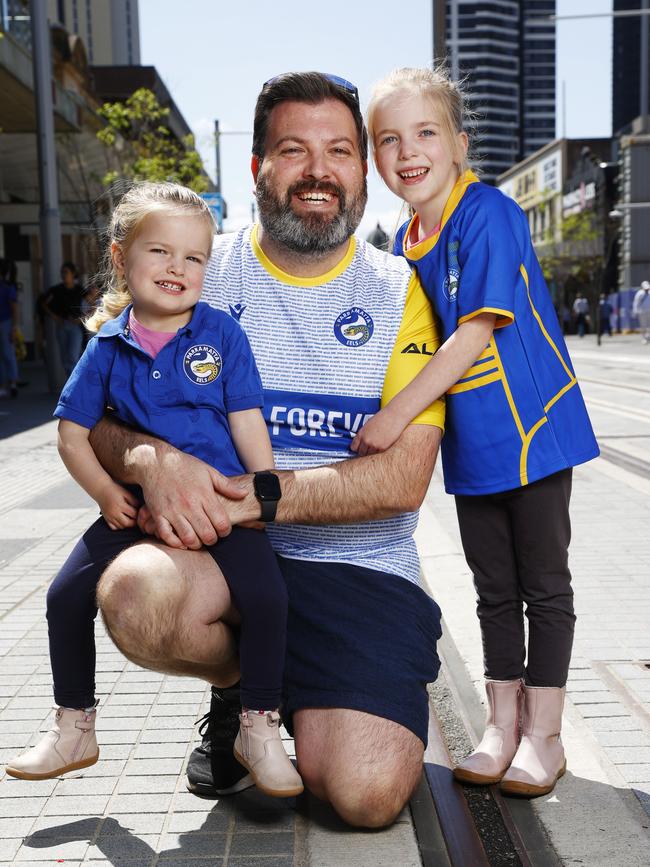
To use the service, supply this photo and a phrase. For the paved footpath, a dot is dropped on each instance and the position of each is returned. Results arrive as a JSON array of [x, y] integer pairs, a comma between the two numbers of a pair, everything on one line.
[[599, 813], [132, 807]]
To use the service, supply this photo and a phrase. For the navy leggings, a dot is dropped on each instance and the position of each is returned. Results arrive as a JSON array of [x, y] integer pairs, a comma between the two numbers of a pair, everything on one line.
[[256, 585]]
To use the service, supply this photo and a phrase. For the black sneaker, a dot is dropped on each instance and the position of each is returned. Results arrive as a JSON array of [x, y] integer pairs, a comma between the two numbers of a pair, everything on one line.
[[212, 769]]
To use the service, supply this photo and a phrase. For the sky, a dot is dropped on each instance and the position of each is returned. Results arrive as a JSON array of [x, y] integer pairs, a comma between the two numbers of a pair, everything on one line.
[[215, 56]]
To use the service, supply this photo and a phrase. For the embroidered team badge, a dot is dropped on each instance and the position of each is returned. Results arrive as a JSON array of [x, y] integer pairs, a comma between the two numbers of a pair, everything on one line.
[[450, 286], [202, 364], [354, 327]]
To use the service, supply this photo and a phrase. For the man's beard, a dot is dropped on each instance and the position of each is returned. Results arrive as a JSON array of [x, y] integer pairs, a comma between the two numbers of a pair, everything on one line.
[[309, 233]]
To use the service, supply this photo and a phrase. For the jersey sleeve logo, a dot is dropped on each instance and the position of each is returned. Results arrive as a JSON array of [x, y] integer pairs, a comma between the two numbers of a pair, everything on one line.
[[236, 310], [450, 285], [202, 364], [353, 327]]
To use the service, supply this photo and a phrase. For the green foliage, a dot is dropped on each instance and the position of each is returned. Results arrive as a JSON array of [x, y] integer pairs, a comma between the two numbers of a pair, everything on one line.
[[579, 255], [142, 146]]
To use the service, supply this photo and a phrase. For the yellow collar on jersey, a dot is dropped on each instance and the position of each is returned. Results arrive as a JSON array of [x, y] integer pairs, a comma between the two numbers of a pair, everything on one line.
[[417, 251], [283, 277]]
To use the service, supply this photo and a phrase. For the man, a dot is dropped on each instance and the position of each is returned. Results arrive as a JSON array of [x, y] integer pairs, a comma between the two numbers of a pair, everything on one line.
[[641, 309], [605, 311], [336, 326], [581, 313]]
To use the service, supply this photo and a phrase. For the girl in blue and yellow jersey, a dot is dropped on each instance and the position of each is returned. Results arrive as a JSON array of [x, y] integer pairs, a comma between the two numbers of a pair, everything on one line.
[[516, 420]]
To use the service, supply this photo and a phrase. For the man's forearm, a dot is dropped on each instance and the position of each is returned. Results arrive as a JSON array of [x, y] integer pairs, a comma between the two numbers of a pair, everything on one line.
[[360, 489], [123, 451]]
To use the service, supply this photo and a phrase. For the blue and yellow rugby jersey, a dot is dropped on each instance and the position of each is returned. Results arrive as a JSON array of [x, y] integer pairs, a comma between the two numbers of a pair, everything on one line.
[[329, 349], [517, 414]]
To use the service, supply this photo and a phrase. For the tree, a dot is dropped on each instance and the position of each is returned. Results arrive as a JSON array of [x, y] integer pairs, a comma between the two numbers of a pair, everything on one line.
[[143, 148], [579, 257]]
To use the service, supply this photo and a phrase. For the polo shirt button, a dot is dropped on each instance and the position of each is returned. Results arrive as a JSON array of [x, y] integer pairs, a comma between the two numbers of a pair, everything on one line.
[[156, 374]]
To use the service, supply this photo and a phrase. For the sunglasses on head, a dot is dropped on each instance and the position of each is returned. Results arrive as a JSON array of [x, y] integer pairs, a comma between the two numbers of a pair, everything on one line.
[[335, 79]]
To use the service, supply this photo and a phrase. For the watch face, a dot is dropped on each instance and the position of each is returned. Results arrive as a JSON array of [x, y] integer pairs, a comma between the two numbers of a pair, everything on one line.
[[267, 486]]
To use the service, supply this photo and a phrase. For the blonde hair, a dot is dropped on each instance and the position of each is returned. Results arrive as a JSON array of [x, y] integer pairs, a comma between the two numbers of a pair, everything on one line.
[[134, 206], [432, 84]]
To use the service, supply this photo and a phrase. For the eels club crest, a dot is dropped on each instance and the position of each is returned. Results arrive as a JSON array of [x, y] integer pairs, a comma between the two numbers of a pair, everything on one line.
[[353, 327], [202, 364]]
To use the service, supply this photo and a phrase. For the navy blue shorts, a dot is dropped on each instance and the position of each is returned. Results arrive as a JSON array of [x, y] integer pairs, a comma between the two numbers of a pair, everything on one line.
[[359, 639]]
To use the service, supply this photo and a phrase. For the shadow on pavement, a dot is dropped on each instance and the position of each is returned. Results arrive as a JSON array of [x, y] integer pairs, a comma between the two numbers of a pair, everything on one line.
[[230, 826], [33, 406]]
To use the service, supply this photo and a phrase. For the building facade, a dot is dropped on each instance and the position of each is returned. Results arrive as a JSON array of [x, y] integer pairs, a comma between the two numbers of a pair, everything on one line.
[[566, 190], [505, 51], [110, 29], [626, 66]]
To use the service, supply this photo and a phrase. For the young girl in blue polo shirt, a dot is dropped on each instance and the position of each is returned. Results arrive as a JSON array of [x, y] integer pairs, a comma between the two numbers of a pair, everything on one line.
[[170, 365], [516, 421]]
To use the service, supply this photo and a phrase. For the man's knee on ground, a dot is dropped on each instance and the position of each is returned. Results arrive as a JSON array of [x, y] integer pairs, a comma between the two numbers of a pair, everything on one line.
[[363, 798], [371, 804], [137, 597]]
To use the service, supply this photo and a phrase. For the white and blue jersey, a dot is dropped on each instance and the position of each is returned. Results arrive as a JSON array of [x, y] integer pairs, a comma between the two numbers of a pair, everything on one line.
[[517, 415], [183, 396], [330, 349]]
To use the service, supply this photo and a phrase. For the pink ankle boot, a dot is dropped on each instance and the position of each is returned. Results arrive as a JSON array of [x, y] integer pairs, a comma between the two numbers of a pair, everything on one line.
[[70, 745], [258, 747], [539, 761], [493, 755]]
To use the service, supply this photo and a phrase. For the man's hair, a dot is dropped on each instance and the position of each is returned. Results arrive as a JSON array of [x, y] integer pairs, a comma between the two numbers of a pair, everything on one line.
[[309, 87]]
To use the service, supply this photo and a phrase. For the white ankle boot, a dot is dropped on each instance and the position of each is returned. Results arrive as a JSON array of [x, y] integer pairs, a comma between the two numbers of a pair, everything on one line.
[[539, 761], [491, 758], [259, 748], [69, 746]]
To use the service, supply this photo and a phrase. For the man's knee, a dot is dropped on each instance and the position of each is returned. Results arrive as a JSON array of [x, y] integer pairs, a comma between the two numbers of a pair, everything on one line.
[[137, 600], [368, 778], [362, 800]]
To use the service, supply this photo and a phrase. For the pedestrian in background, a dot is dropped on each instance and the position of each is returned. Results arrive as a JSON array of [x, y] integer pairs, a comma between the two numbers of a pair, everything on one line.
[[516, 420], [581, 313], [604, 315], [641, 309], [63, 302], [8, 330]]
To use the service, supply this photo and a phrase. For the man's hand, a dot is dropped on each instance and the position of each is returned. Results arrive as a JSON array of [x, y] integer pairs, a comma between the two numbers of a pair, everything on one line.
[[118, 506], [186, 500], [379, 433]]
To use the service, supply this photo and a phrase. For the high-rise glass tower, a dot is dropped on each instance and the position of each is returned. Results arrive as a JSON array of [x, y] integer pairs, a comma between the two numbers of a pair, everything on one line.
[[626, 67], [506, 51]]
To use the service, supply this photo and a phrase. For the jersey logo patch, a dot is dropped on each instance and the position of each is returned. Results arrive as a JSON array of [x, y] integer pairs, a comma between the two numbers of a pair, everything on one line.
[[354, 327], [236, 310], [202, 364], [450, 286]]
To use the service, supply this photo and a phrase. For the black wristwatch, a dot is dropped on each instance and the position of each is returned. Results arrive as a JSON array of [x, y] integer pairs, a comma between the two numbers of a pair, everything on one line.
[[267, 490]]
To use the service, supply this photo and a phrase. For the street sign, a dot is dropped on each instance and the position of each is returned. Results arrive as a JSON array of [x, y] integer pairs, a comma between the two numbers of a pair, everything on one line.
[[214, 201]]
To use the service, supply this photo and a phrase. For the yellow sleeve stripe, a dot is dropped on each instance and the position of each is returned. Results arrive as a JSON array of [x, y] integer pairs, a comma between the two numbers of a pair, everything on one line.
[[417, 339], [481, 367], [471, 384], [504, 317]]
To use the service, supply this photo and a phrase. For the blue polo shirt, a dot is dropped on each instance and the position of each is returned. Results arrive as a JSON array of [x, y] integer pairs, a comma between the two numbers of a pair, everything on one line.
[[517, 415], [182, 396]]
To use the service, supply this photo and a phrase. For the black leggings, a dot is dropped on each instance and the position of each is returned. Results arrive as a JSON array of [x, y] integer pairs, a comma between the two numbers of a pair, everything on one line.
[[256, 585], [516, 544]]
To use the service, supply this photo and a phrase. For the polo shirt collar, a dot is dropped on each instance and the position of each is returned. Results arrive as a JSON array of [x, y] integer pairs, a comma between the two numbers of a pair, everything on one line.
[[120, 325]]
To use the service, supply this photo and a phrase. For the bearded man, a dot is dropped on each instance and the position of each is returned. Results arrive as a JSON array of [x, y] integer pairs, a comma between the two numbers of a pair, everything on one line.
[[337, 328]]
